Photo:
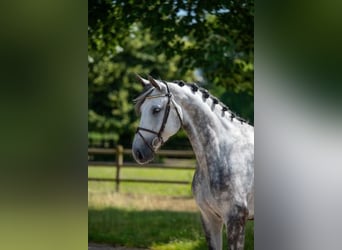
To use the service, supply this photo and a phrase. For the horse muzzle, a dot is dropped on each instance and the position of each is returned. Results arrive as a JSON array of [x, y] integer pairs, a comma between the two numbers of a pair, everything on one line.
[[141, 152]]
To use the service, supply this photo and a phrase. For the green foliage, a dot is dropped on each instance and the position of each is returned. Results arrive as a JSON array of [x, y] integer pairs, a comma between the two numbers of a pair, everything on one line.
[[171, 40]]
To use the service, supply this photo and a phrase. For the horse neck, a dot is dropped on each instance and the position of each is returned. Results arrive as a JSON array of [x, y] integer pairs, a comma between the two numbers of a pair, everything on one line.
[[209, 130]]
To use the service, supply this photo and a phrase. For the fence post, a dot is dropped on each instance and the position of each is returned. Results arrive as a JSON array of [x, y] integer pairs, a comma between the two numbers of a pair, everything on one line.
[[119, 162]]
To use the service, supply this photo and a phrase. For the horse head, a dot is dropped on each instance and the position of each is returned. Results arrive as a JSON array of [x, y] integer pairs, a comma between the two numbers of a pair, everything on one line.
[[161, 117]]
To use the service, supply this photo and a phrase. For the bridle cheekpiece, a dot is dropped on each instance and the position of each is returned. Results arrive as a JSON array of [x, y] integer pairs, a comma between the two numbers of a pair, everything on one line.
[[159, 138]]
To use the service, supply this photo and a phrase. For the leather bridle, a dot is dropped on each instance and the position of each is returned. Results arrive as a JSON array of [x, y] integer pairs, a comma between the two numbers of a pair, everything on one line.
[[158, 134]]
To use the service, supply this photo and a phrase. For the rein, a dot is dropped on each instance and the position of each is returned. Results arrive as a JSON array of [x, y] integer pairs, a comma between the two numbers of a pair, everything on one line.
[[165, 117]]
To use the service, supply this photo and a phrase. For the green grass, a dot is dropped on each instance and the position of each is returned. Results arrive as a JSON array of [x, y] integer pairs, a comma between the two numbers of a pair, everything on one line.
[[147, 215], [158, 230], [142, 188]]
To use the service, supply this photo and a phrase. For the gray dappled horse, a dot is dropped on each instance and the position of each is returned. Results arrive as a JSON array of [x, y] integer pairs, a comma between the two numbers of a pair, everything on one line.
[[223, 183]]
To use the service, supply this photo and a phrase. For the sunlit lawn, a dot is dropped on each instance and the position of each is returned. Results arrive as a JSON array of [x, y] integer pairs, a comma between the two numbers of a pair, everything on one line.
[[154, 216], [142, 188]]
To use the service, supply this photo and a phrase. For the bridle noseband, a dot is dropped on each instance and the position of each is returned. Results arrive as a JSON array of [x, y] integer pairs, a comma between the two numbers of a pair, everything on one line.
[[165, 117]]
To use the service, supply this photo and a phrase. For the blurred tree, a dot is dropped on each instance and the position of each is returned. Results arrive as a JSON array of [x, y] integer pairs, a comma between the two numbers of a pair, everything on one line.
[[170, 40], [112, 86]]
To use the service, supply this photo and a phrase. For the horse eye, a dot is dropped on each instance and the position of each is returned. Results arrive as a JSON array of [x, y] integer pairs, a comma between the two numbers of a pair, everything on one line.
[[156, 110]]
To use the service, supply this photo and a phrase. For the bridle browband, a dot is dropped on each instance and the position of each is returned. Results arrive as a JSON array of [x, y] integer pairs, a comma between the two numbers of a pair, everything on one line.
[[165, 117]]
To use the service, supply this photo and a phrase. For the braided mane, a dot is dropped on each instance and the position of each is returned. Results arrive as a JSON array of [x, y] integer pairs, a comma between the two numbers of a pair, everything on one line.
[[206, 94], [194, 88]]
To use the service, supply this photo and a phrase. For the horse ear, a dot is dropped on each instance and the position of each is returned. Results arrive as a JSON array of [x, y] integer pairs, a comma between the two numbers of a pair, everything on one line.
[[154, 82], [143, 81]]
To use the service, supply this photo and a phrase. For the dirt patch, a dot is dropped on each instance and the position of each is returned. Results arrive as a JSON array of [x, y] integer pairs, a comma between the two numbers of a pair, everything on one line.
[[95, 246], [142, 202]]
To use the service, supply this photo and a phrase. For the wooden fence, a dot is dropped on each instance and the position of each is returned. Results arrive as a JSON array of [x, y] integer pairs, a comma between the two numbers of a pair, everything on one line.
[[120, 163]]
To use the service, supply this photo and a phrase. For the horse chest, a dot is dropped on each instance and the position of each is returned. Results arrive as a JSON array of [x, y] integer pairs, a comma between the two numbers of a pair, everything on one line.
[[213, 192]]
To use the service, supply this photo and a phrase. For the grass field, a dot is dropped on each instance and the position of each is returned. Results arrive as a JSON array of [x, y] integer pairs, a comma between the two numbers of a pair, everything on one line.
[[142, 188], [154, 216]]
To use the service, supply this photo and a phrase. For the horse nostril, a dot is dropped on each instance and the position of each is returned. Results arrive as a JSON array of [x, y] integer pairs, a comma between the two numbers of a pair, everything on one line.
[[139, 155]]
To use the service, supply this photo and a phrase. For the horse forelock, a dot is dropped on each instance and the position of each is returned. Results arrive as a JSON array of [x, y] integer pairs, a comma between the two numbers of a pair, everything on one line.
[[141, 98]]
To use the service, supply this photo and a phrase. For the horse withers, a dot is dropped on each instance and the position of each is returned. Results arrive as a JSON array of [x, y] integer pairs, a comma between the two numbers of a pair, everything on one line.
[[223, 183]]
